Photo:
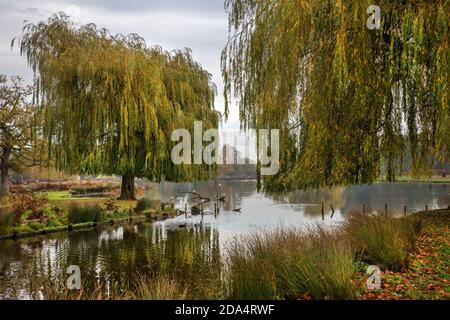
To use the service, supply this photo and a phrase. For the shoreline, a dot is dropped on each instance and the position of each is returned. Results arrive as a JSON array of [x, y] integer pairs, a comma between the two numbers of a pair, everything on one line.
[[160, 216]]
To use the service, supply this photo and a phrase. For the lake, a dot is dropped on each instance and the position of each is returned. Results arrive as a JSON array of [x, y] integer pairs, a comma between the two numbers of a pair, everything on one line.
[[187, 246]]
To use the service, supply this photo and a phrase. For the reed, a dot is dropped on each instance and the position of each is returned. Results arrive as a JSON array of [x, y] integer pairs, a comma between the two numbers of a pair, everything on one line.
[[291, 264], [382, 239]]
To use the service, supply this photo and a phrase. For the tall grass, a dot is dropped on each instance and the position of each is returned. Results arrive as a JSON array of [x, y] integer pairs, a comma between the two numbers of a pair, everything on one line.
[[6, 222], [382, 239], [145, 204], [82, 214], [291, 264], [161, 288]]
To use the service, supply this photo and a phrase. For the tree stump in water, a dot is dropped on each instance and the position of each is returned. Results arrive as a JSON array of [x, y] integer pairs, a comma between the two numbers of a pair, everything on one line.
[[195, 210]]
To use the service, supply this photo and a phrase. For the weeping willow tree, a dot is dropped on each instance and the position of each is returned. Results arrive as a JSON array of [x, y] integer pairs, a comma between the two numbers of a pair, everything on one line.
[[111, 103], [347, 100]]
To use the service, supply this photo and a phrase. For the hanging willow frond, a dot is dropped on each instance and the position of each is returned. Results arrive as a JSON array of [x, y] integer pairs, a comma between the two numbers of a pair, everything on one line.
[[111, 103], [350, 99]]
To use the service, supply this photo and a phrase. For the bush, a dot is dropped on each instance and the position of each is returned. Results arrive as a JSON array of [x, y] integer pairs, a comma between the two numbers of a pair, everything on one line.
[[54, 222], [82, 214], [22, 229], [145, 204], [32, 204], [382, 239], [36, 226], [291, 264]]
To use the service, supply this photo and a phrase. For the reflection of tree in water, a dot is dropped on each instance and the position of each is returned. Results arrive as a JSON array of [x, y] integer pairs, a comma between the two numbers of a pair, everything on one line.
[[25, 264], [113, 258], [190, 255], [149, 251], [233, 190], [416, 196], [374, 197], [311, 200]]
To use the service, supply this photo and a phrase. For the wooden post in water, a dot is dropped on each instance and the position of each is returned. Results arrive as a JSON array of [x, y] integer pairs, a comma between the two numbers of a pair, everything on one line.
[[426, 208], [404, 210], [386, 208], [185, 210], [323, 213], [364, 208]]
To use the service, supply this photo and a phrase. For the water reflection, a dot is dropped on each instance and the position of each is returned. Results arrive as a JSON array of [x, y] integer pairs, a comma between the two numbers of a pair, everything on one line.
[[117, 257], [299, 207], [189, 248]]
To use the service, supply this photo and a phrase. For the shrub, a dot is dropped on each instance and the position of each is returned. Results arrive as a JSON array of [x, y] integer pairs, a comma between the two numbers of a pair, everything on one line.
[[82, 214], [22, 229], [145, 204], [382, 239], [35, 226], [54, 222], [32, 204]]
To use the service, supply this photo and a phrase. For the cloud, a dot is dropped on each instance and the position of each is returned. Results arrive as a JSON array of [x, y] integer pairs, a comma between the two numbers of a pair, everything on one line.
[[198, 24], [133, 6]]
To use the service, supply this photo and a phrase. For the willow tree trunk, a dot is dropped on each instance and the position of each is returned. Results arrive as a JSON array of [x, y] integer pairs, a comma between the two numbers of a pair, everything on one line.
[[4, 167], [127, 190]]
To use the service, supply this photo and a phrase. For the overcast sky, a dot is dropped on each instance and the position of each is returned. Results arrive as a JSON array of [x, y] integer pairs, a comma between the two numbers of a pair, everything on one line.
[[198, 24]]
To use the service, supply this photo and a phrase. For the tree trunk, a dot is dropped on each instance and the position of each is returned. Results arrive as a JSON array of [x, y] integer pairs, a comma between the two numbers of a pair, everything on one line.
[[4, 167], [127, 190]]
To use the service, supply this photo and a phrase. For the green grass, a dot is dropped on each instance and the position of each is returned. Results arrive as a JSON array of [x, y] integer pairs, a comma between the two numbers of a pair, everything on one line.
[[67, 196], [57, 195]]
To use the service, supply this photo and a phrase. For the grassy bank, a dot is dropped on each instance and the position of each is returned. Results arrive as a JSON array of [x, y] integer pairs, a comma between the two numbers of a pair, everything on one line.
[[428, 273], [319, 264], [413, 253], [29, 214]]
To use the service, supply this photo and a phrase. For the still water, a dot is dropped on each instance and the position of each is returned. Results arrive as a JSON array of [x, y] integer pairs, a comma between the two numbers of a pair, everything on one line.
[[184, 247]]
